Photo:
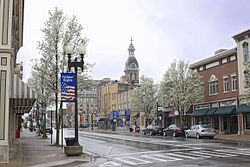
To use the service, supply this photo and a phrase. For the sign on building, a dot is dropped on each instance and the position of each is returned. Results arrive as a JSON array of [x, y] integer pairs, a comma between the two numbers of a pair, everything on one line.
[[67, 87]]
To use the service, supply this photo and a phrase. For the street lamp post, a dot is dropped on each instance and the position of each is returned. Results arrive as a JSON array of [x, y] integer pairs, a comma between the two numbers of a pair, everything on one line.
[[75, 64]]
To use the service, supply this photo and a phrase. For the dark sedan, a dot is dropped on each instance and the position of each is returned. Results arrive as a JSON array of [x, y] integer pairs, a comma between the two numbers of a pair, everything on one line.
[[174, 130], [152, 130]]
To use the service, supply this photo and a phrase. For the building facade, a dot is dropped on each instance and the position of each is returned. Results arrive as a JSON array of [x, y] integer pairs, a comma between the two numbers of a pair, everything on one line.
[[223, 79], [242, 41], [219, 75], [113, 97], [16, 98]]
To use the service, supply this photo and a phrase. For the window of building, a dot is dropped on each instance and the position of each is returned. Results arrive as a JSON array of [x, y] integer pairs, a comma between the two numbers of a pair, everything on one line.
[[202, 89], [80, 107], [247, 116], [225, 81], [211, 65], [245, 51], [87, 99], [131, 76], [80, 99], [213, 87], [224, 61], [4, 61], [135, 76], [232, 58], [92, 99], [225, 122], [234, 83], [216, 122], [201, 68]]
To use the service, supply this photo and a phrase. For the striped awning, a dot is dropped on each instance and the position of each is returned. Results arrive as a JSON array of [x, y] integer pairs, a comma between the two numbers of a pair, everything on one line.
[[22, 97]]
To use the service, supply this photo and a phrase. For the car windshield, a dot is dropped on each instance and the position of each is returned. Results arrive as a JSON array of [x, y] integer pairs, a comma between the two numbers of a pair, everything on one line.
[[205, 126]]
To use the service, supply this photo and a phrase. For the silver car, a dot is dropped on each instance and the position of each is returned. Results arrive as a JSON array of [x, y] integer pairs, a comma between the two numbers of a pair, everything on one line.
[[199, 131]]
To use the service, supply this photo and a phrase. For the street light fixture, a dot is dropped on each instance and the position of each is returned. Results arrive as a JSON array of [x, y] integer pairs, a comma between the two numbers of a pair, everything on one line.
[[75, 64]]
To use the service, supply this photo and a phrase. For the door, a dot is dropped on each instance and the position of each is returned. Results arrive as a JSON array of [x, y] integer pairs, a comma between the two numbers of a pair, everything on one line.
[[234, 125]]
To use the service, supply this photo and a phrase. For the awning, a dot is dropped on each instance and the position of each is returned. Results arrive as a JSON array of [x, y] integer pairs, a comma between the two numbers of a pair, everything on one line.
[[211, 111], [22, 97], [225, 110], [243, 108], [198, 113]]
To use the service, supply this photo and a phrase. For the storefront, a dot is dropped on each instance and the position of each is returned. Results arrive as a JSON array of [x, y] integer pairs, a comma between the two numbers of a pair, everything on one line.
[[244, 118]]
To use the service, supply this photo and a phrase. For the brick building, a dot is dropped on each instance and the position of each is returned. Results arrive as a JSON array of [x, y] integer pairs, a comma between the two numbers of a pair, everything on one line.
[[223, 79]]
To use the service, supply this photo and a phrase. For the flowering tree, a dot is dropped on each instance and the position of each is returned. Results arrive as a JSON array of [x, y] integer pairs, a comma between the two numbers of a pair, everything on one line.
[[180, 87], [58, 32], [144, 98]]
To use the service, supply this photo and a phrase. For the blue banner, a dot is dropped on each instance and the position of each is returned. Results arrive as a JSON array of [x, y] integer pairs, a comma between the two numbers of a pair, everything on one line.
[[67, 87]]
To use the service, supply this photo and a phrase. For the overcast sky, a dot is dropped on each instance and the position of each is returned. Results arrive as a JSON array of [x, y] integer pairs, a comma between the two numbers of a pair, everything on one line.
[[162, 30]]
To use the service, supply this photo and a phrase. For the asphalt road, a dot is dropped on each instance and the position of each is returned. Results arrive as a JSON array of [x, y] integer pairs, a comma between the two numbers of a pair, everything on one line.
[[123, 149]]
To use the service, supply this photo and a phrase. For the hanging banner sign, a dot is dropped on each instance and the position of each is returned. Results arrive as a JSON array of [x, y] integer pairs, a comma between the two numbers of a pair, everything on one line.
[[67, 87]]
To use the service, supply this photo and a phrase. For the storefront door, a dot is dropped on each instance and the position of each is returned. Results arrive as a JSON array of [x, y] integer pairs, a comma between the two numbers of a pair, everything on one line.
[[234, 125]]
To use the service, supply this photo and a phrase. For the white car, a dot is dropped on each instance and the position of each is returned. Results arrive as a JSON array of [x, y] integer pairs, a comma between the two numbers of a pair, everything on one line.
[[199, 131]]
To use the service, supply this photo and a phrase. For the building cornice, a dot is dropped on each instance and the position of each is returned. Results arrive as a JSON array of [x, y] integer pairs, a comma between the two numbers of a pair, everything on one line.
[[242, 36], [214, 58]]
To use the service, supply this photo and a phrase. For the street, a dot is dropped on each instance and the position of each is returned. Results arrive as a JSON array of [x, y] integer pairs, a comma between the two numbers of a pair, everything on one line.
[[128, 149]]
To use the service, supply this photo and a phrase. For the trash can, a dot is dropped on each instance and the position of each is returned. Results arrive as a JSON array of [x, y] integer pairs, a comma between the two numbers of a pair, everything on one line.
[[17, 133], [70, 141], [137, 129]]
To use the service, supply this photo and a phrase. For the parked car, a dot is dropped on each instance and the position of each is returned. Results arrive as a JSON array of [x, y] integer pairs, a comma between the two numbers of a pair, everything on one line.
[[174, 130], [199, 131], [48, 130], [152, 130]]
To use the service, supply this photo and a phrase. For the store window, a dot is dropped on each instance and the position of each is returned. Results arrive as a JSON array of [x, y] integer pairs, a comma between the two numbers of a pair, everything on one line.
[[216, 122], [225, 122], [247, 116]]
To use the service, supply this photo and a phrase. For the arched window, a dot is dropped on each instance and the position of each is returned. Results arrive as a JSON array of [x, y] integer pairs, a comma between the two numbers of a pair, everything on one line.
[[245, 51]]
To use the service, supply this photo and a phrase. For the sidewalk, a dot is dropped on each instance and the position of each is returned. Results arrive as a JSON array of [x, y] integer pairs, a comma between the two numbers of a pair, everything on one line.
[[235, 137], [32, 150]]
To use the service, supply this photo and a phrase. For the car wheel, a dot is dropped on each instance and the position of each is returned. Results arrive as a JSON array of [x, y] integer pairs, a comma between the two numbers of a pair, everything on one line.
[[211, 137], [198, 136], [174, 134], [151, 133], [143, 132], [164, 133], [186, 135]]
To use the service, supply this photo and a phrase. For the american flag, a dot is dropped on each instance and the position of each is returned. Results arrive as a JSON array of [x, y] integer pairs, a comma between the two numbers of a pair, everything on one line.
[[67, 92]]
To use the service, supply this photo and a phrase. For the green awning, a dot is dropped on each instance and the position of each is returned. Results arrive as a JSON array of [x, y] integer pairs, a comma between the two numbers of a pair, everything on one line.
[[225, 110], [211, 111], [199, 113], [243, 108]]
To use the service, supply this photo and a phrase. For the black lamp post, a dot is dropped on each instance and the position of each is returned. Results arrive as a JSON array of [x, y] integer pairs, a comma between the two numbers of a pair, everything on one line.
[[75, 64]]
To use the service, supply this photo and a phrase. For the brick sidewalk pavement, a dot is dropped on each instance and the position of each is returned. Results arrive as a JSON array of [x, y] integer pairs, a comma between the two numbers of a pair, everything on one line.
[[32, 150]]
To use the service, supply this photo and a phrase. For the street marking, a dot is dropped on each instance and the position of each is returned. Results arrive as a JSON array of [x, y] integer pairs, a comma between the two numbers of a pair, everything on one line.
[[182, 156], [109, 163], [193, 154], [234, 151], [127, 162], [143, 161], [204, 153], [133, 163], [171, 158], [227, 154], [145, 152], [157, 159]]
